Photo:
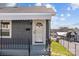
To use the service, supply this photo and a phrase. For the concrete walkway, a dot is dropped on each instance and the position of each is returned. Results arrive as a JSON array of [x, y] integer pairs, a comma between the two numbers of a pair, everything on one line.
[[73, 47]]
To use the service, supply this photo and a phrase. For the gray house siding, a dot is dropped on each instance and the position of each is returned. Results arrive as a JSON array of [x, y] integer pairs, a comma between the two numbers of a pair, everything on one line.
[[20, 35], [22, 31]]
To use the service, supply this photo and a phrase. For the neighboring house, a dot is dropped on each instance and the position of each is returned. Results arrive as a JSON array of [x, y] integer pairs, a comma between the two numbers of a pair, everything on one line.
[[77, 34], [71, 36], [24, 31], [62, 33]]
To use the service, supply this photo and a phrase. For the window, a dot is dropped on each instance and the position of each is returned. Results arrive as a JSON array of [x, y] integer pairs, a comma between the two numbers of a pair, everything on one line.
[[5, 29], [5, 25]]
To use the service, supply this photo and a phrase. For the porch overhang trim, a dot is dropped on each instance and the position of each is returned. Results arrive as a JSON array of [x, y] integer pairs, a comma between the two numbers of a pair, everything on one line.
[[25, 16]]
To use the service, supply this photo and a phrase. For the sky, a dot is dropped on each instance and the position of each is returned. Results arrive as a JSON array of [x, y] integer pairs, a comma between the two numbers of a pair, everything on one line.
[[67, 14]]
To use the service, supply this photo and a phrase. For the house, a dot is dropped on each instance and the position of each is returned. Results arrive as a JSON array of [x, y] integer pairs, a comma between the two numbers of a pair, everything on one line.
[[61, 32], [24, 30], [77, 31], [65, 33]]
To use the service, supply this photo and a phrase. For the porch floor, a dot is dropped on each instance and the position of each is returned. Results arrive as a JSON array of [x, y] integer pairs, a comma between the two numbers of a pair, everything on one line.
[[35, 50]]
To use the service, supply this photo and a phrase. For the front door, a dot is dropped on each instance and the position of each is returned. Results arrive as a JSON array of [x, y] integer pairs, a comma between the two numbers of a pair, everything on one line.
[[39, 32]]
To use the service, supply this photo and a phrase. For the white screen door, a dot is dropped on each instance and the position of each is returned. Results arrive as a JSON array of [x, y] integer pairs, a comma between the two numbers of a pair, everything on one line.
[[39, 31], [39, 34]]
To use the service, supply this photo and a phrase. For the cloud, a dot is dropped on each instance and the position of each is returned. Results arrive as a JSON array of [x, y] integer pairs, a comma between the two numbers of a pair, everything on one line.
[[11, 4], [68, 8], [59, 18], [54, 9], [68, 14], [38, 4], [74, 6], [55, 17], [50, 6], [46, 5], [62, 19], [62, 15]]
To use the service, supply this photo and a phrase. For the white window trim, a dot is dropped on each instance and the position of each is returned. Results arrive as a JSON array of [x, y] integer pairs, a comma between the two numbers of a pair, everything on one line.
[[10, 31]]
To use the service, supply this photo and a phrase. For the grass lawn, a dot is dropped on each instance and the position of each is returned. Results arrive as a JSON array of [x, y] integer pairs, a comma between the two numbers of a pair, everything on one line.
[[58, 50]]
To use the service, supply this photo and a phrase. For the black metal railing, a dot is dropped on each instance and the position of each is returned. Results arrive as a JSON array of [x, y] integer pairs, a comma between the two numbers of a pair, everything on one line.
[[10, 44]]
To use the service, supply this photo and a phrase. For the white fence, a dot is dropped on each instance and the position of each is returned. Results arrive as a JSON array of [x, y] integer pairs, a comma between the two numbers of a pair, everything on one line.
[[73, 47]]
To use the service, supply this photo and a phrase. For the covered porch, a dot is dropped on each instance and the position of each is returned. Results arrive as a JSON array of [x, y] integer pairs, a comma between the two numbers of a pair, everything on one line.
[[25, 31]]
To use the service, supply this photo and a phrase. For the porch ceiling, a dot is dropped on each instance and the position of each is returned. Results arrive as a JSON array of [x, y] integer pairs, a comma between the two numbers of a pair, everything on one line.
[[25, 16]]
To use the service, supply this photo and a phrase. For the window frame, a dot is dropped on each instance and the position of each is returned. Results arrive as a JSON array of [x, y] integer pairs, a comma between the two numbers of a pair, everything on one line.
[[10, 29]]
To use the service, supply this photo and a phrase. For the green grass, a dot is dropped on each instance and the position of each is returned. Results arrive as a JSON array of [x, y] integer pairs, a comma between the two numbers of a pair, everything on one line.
[[58, 50]]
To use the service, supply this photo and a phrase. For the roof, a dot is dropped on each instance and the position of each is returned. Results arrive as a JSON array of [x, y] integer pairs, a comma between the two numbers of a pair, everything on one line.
[[62, 33], [60, 30], [27, 10]]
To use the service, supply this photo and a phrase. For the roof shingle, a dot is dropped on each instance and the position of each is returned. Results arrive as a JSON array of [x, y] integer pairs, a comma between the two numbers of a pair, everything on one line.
[[27, 10]]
